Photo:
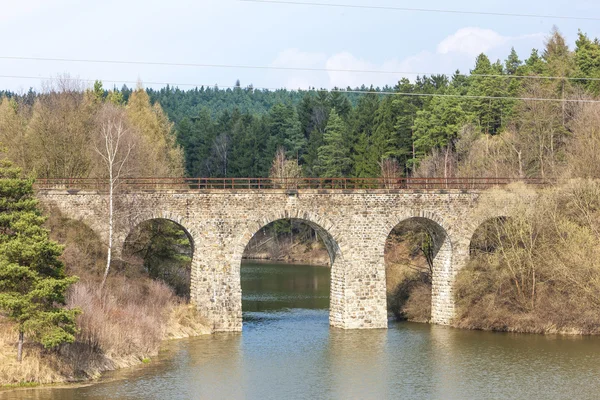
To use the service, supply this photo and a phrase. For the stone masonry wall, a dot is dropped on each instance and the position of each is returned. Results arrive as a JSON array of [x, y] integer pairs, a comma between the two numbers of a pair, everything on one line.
[[354, 225]]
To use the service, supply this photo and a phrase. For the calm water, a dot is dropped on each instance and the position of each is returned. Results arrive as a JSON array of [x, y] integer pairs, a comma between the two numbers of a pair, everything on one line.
[[288, 351]]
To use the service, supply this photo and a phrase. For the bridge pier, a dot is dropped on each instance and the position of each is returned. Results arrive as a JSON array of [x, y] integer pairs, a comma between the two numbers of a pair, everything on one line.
[[353, 223]]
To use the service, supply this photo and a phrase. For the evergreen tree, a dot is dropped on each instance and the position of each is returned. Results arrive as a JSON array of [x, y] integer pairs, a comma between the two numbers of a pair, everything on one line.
[[439, 125], [489, 112], [305, 112], [32, 278], [406, 108], [587, 59], [512, 63], [285, 130], [363, 124], [334, 156], [311, 158], [340, 102], [534, 65], [383, 142]]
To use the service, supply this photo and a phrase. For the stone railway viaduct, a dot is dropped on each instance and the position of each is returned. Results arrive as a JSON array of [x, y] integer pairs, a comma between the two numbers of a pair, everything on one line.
[[354, 225]]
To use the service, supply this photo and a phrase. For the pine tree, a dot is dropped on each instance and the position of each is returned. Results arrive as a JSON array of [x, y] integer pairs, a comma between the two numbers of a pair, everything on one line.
[[32, 278], [363, 124], [489, 112], [512, 63], [285, 130], [534, 65], [438, 126], [334, 156], [587, 59]]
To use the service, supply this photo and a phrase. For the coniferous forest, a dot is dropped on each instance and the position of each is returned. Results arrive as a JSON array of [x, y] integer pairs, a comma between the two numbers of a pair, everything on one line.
[[534, 115], [503, 118]]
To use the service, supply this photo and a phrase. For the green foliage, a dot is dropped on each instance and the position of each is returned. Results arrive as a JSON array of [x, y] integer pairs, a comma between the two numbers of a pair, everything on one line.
[[587, 59], [488, 113], [235, 132], [164, 251], [334, 156], [439, 125], [32, 278]]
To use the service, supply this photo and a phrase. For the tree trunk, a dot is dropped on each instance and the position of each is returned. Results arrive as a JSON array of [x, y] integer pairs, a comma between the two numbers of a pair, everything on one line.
[[563, 103], [110, 229], [20, 347], [521, 175], [446, 167]]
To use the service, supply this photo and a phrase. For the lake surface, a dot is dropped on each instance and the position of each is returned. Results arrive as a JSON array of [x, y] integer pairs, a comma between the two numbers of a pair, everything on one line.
[[288, 351]]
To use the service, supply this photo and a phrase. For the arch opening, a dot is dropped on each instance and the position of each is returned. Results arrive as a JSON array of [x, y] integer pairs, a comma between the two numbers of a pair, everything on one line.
[[288, 264], [162, 250], [488, 236], [417, 252]]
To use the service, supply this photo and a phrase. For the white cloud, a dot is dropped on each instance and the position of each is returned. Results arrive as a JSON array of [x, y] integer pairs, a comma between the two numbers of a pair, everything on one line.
[[347, 61], [295, 58], [456, 51], [471, 41]]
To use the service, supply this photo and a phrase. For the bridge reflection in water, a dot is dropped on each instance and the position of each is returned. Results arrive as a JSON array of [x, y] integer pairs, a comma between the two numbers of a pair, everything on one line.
[[291, 353]]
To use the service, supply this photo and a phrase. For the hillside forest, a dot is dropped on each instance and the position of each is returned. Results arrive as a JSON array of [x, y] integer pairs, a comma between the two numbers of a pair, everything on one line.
[[536, 115], [461, 125]]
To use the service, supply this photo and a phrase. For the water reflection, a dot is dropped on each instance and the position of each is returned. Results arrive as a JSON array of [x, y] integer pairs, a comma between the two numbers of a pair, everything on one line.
[[288, 351], [274, 287], [356, 364]]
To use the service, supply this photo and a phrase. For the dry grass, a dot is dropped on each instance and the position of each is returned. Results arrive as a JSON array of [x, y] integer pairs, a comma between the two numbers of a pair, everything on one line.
[[118, 328], [185, 322], [128, 318], [418, 305], [38, 366]]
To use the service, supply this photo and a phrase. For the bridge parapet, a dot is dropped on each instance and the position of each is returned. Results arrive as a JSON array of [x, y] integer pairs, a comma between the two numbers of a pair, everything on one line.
[[129, 184], [355, 223]]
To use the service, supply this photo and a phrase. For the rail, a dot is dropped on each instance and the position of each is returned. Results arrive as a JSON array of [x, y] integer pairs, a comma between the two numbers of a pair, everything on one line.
[[280, 183]]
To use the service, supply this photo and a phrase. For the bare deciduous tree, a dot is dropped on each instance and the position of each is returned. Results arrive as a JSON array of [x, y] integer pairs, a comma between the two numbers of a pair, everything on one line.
[[390, 172], [285, 173], [114, 149]]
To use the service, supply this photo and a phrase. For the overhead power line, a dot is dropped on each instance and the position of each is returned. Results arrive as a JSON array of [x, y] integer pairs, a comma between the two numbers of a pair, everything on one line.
[[276, 68], [408, 94], [427, 10]]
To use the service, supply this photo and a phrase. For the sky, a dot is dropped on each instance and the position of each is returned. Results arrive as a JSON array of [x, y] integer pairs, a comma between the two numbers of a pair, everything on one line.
[[232, 32]]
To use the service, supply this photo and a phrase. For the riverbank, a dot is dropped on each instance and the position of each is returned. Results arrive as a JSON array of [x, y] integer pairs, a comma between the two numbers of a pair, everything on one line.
[[288, 350], [81, 361], [121, 325], [292, 249]]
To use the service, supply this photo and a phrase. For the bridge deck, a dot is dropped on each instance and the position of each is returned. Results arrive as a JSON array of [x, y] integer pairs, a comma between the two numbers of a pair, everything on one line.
[[283, 183]]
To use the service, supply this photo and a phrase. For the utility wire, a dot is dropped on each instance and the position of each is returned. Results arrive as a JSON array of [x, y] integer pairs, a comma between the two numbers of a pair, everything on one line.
[[408, 94], [269, 67], [428, 10]]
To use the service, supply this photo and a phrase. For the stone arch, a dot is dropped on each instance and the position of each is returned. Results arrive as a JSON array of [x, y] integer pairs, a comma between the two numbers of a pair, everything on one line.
[[442, 302], [477, 227], [123, 233], [332, 239], [126, 230]]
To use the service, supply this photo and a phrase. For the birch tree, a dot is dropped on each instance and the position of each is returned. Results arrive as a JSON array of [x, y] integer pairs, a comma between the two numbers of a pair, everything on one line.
[[114, 147]]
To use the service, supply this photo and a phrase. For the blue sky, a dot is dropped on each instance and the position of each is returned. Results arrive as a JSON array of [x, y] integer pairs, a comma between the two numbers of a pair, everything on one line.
[[233, 32]]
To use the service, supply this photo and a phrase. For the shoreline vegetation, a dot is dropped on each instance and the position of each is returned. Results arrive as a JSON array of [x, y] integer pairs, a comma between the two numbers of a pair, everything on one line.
[[536, 270], [120, 327]]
